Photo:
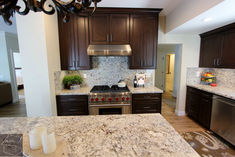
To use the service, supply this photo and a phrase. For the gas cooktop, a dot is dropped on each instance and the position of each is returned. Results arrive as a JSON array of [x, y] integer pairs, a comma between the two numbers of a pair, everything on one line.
[[107, 89]]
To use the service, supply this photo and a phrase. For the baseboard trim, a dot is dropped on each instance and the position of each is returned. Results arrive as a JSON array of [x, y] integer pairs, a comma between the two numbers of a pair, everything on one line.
[[180, 113]]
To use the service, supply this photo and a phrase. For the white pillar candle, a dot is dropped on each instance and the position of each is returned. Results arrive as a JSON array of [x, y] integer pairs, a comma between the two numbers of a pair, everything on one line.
[[35, 139], [48, 143]]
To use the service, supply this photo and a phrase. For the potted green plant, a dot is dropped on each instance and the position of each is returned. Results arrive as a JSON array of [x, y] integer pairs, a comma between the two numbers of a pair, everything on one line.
[[72, 81]]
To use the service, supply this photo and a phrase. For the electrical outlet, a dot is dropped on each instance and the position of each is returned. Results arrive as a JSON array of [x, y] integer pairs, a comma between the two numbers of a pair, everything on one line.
[[85, 75]]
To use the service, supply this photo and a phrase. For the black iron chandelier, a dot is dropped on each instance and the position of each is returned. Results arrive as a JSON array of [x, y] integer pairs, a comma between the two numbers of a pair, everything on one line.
[[9, 7]]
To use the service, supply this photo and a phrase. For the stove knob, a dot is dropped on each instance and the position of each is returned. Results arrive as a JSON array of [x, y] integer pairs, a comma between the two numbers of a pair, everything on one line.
[[110, 99], [92, 99], [127, 98], [96, 99], [117, 99], [102, 99], [123, 98]]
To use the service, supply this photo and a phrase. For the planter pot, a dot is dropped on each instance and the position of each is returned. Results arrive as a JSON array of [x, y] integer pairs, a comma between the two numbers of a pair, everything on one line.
[[73, 87]]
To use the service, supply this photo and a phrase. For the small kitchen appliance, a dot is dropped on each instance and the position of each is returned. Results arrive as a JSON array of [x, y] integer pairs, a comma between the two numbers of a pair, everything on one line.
[[104, 100], [141, 78]]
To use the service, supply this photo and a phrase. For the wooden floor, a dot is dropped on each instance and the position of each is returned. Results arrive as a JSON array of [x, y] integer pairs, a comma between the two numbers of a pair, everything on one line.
[[180, 123], [17, 109]]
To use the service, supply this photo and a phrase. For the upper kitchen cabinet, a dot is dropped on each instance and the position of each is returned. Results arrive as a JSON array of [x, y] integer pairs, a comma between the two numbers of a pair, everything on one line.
[[228, 50], [143, 40], [109, 29], [217, 48], [210, 51], [74, 41]]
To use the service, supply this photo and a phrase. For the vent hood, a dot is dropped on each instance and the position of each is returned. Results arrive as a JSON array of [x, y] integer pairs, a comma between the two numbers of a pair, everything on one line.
[[109, 50]]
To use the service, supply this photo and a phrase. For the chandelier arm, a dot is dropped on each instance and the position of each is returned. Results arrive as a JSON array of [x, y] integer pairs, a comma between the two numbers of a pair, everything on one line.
[[52, 11], [9, 7], [25, 11]]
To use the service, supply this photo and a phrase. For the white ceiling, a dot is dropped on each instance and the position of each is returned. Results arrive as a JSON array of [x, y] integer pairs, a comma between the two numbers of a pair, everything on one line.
[[220, 15], [167, 5], [6, 28]]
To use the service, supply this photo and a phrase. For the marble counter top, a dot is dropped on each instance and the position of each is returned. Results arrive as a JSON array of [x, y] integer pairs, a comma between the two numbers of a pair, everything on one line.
[[141, 90], [81, 91], [117, 135], [223, 91], [86, 90]]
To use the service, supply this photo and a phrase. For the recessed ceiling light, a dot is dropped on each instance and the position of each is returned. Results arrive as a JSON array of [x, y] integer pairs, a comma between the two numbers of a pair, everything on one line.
[[207, 19]]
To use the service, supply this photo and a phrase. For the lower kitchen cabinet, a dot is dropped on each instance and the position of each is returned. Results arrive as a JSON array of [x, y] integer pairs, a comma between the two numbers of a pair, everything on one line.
[[199, 106], [146, 103], [72, 105]]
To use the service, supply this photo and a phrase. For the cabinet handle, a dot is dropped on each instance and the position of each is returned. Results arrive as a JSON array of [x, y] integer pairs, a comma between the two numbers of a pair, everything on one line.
[[218, 61], [147, 107], [214, 61], [107, 37], [111, 36]]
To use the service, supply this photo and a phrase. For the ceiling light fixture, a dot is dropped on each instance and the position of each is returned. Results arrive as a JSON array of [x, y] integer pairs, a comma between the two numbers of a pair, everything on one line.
[[207, 19], [9, 7]]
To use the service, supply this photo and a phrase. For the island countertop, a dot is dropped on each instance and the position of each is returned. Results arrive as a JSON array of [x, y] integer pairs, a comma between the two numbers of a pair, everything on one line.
[[116, 135]]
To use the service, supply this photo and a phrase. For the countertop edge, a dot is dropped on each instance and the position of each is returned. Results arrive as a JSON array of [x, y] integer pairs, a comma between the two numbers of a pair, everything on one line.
[[226, 95]]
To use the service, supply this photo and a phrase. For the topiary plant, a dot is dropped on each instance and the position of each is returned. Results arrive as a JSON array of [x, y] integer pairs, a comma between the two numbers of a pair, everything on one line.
[[72, 80]]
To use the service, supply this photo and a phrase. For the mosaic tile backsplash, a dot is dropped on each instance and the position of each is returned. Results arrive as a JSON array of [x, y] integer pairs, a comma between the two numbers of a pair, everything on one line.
[[224, 77], [106, 71]]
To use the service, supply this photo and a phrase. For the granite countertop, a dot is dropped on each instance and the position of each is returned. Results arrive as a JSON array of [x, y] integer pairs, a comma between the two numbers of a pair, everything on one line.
[[86, 90], [117, 135], [223, 91], [140, 90], [81, 91]]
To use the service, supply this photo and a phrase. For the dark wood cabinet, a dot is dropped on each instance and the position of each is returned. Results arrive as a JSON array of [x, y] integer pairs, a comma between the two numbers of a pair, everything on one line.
[[210, 51], [119, 29], [99, 29], [109, 29], [72, 105], [146, 103], [199, 106], [143, 40], [74, 40], [227, 59], [217, 48]]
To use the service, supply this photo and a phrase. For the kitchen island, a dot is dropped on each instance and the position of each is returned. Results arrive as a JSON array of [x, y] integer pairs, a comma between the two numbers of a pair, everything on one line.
[[116, 135]]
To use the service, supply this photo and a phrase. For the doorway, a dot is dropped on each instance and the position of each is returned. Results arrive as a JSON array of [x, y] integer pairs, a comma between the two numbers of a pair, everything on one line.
[[166, 74]]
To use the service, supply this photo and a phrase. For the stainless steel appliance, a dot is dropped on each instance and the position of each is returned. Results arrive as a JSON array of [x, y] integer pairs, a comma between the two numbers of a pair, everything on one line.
[[109, 50], [104, 100], [223, 118]]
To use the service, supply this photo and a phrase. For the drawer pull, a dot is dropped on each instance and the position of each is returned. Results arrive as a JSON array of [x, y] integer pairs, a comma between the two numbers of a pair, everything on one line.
[[148, 107], [72, 110]]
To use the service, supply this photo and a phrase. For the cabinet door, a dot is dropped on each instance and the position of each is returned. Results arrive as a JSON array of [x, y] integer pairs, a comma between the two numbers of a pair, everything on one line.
[[149, 51], [99, 29], [228, 50], [73, 43], [146, 103], [136, 41], [143, 41], [72, 105], [119, 29], [210, 50], [81, 40], [67, 44]]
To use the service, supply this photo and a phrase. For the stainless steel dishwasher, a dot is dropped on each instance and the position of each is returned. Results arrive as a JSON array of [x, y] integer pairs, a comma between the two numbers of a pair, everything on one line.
[[223, 118]]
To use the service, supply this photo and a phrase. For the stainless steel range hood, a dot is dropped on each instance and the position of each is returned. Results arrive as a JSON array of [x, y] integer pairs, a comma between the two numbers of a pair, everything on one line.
[[109, 50]]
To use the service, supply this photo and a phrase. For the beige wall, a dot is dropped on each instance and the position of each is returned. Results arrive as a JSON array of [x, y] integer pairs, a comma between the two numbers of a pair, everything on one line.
[[189, 58], [187, 10], [39, 47]]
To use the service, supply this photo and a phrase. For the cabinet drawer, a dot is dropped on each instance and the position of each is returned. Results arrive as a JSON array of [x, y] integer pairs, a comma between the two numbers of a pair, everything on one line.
[[68, 105], [142, 97], [146, 103]]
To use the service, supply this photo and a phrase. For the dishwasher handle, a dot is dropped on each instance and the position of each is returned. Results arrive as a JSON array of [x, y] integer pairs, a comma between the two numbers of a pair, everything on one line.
[[224, 100]]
